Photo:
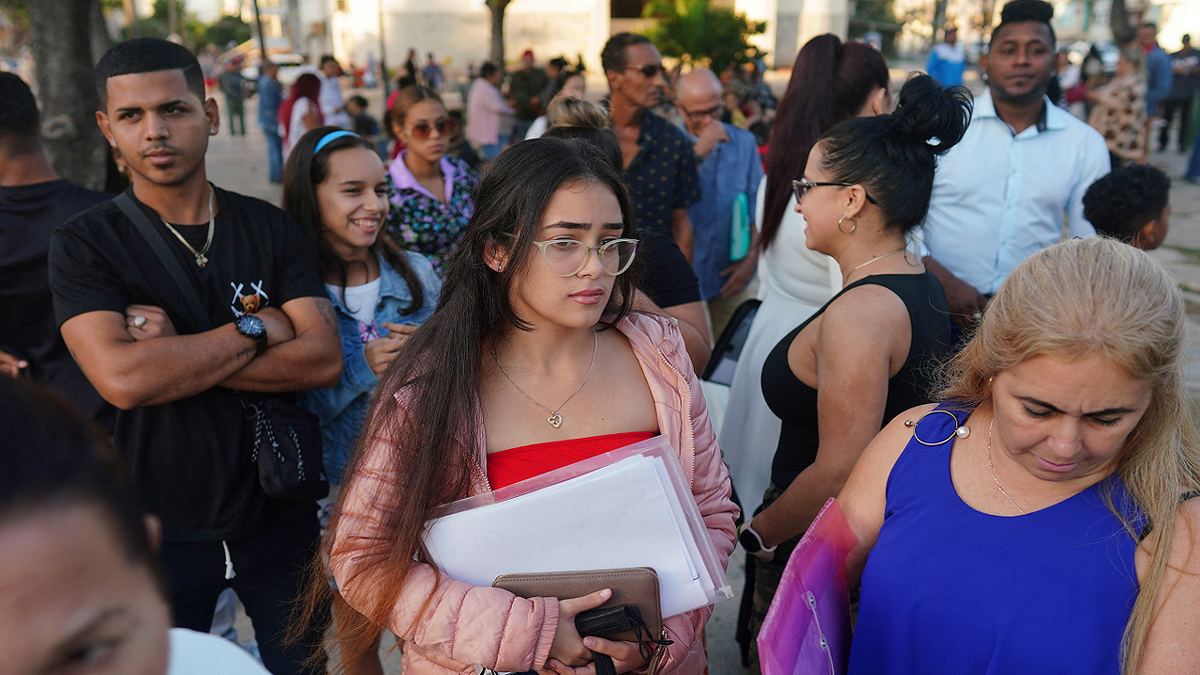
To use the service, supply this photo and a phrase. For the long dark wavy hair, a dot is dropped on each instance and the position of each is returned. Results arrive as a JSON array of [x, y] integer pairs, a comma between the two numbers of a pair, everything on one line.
[[830, 82], [303, 173], [430, 441]]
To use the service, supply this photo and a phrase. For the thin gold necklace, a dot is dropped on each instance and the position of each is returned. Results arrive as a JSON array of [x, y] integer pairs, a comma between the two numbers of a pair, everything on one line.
[[201, 259], [555, 420], [992, 469], [862, 265]]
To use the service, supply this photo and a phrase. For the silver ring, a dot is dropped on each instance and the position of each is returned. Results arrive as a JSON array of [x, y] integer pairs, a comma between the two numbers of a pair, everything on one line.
[[139, 321]]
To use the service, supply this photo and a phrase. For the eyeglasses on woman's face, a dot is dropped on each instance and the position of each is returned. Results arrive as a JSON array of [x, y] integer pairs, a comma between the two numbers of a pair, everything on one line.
[[567, 257], [422, 130], [801, 188]]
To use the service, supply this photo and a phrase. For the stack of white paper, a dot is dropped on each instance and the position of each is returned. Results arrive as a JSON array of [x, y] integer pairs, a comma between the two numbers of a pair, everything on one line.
[[625, 514]]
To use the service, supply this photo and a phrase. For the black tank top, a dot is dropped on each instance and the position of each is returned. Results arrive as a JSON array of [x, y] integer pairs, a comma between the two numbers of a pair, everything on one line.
[[795, 403]]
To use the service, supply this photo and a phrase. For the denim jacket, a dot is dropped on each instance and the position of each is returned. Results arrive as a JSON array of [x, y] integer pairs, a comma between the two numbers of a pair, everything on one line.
[[343, 408]]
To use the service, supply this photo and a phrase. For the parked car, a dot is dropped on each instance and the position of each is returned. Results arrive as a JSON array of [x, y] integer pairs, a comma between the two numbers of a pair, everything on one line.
[[290, 66]]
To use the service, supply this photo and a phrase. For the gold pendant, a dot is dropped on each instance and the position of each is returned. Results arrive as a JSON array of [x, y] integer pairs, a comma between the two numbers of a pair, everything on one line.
[[555, 420], [201, 260]]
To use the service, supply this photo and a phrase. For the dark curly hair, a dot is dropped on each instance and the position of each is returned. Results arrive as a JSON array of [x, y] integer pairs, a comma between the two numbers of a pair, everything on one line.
[[1121, 203], [894, 156], [1020, 11]]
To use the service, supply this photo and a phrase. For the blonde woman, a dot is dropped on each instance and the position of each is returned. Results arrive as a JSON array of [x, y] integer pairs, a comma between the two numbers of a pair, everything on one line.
[[1041, 518]]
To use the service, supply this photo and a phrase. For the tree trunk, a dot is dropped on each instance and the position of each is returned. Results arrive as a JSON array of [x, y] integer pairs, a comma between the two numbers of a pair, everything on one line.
[[498, 7], [1118, 22], [101, 40], [61, 44]]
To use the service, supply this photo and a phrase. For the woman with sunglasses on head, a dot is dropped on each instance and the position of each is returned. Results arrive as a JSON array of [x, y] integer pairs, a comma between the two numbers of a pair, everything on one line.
[[431, 190], [867, 355], [531, 362]]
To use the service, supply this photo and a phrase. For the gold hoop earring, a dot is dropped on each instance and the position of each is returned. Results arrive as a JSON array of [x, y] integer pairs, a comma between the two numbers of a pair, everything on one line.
[[852, 228]]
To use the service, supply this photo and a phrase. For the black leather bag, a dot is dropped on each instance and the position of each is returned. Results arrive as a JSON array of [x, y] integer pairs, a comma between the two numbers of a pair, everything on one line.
[[287, 437]]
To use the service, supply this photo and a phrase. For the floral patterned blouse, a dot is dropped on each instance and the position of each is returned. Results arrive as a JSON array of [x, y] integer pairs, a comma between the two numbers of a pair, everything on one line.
[[417, 221]]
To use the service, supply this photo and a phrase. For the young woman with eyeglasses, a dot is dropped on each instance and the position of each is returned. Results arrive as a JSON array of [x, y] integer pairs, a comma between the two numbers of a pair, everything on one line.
[[431, 190], [869, 353], [531, 362]]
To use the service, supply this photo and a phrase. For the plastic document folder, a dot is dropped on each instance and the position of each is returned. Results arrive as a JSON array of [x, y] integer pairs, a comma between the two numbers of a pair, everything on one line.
[[631, 507], [807, 629]]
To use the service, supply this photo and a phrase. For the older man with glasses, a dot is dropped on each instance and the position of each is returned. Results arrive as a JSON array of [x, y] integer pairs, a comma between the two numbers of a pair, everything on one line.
[[661, 170], [730, 170]]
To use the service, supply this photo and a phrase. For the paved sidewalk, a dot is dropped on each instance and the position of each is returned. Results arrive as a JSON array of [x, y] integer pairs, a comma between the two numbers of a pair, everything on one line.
[[239, 163]]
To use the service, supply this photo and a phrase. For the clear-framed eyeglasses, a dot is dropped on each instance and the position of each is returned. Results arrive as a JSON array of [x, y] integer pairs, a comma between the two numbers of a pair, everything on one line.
[[567, 257]]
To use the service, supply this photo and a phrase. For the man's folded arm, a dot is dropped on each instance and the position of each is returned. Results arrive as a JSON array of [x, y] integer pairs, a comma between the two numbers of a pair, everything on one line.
[[129, 373]]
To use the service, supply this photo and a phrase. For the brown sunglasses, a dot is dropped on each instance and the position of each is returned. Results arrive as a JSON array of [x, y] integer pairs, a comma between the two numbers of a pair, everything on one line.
[[445, 126]]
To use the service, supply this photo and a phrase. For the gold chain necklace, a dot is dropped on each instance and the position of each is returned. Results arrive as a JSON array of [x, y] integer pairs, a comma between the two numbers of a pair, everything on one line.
[[858, 267], [992, 469], [555, 420], [201, 259]]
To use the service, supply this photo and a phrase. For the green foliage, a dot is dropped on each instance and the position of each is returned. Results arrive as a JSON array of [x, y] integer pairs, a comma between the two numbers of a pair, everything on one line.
[[700, 35], [228, 29], [882, 11]]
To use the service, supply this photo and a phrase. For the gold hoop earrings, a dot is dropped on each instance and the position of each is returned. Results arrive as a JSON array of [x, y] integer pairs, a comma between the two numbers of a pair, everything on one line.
[[960, 430], [853, 227]]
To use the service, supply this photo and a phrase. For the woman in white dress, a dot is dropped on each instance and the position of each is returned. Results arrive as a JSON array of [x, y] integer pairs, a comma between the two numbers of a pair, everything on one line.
[[831, 82]]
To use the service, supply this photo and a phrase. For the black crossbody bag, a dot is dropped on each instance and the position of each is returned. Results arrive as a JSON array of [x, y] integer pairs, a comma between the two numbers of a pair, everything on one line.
[[287, 437]]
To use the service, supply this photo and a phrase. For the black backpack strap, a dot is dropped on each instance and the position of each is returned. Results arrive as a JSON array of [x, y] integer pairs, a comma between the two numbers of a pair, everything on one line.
[[198, 315], [1149, 527]]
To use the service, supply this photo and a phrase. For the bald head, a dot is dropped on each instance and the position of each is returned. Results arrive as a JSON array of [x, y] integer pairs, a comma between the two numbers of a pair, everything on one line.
[[698, 82], [698, 96]]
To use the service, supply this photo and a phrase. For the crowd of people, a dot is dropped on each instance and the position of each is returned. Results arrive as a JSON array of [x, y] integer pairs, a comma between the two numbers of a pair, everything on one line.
[[488, 296]]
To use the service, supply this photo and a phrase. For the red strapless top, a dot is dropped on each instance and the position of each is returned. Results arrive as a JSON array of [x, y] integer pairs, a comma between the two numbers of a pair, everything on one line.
[[516, 464]]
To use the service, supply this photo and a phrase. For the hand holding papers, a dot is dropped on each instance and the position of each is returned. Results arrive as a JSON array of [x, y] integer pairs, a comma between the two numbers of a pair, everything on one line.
[[628, 508]]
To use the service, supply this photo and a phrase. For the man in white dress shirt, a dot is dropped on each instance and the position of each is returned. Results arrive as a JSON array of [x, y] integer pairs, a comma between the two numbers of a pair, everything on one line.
[[333, 106], [1020, 172]]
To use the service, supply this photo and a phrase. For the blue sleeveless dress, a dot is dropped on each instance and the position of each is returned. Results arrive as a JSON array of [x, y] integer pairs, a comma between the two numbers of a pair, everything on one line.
[[948, 589]]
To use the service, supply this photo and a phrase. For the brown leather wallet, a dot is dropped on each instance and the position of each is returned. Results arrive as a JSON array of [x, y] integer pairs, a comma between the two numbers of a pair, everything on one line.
[[635, 586]]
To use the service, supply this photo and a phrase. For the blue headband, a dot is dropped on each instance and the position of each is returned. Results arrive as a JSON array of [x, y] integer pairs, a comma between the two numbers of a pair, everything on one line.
[[331, 136]]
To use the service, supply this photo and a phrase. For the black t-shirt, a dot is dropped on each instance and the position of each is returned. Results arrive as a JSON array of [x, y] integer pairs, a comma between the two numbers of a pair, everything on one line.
[[190, 458], [28, 214]]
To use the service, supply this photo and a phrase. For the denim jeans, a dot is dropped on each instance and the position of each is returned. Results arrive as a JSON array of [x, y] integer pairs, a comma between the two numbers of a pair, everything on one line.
[[1193, 170], [274, 155]]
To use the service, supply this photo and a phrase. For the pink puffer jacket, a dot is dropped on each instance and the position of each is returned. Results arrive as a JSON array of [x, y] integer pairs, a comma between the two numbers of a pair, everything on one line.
[[449, 626]]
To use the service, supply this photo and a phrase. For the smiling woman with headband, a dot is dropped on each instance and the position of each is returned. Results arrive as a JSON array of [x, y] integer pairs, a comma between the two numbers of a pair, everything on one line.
[[431, 190]]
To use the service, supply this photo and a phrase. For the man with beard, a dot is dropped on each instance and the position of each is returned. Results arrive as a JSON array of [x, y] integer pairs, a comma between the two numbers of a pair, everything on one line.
[[180, 386], [1023, 166]]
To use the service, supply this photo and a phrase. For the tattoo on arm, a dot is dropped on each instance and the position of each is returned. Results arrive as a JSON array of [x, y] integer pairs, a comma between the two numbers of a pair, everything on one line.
[[249, 351], [325, 306]]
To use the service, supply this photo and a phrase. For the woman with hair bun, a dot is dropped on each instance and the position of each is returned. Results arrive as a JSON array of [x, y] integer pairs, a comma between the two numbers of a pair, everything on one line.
[[864, 357], [1042, 518], [831, 82]]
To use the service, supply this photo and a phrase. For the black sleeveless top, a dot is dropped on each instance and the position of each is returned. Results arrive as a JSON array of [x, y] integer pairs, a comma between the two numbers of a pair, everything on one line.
[[795, 403]]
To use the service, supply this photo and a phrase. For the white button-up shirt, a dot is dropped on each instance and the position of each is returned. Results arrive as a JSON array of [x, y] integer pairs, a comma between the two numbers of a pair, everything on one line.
[[999, 198]]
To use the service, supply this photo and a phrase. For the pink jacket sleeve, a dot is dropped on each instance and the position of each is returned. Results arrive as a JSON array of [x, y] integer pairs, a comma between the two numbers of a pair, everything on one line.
[[449, 622], [712, 490]]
